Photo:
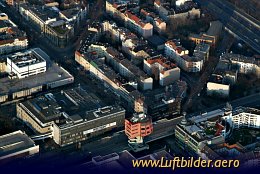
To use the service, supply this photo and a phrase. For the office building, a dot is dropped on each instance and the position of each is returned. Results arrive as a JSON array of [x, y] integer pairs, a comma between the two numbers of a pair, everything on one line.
[[29, 81], [70, 116], [24, 64]]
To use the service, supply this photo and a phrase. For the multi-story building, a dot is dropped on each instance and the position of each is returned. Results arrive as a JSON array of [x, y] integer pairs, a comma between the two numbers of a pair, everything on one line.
[[122, 65], [158, 24], [16, 145], [138, 127], [202, 50], [244, 117], [132, 45], [58, 26], [218, 89], [162, 69], [176, 52], [225, 73], [164, 102], [130, 20], [245, 65], [164, 10], [211, 37], [206, 129], [11, 38], [70, 116], [77, 128], [2, 65], [127, 91], [25, 64], [47, 75]]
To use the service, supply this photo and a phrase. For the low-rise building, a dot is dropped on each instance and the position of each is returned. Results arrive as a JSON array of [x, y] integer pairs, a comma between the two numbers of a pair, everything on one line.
[[217, 89], [16, 145]]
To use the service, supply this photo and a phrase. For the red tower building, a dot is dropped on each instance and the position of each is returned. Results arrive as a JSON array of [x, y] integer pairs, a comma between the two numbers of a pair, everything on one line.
[[136, 128]]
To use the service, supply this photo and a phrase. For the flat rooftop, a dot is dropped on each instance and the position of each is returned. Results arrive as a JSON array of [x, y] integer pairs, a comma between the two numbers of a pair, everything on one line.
[[73, 102], [28, 57], [54, 73], [207, 115], [14, 142]]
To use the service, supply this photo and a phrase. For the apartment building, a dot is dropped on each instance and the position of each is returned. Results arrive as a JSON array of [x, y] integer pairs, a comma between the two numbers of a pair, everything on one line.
[[244, 117], [162, 69], [130, 20], [11, 38], [176, 52], [58, 26]]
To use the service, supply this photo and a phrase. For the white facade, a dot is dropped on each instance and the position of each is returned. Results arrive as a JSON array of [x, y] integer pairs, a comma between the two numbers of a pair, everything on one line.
[[181, 2], [246, 119], [14, 45], [181, 57], [25, 64], [220, 89]]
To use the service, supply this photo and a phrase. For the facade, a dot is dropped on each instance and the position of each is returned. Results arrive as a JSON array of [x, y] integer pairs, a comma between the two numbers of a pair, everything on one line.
[[211, 37], [2, 65], [16, 145], [159, 25], [24, 64], [206, 129], [176, 52], [31, 81], [166, 101], [217, 89], [39, 113], [139, 125], [11, 38], [163, 70], [243, 117], [202, 49], [97, 122], [70, 116], [244, 65], [58, 26], [131, 21]]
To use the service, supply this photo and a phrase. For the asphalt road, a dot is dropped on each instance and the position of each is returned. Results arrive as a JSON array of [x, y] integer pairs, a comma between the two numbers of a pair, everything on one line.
[[241, 24], [248, 101]]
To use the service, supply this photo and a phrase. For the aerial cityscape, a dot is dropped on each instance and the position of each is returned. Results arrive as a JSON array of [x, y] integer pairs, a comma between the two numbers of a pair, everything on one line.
[[129, 85]]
